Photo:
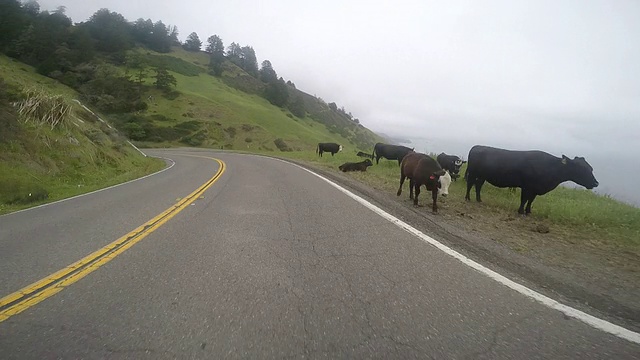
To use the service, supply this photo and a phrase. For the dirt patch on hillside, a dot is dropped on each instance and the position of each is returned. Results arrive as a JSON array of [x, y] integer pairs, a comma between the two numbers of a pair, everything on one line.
[[537, 253]]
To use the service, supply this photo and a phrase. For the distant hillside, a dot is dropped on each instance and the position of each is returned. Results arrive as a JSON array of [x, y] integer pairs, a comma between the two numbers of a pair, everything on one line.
[[228, 111]]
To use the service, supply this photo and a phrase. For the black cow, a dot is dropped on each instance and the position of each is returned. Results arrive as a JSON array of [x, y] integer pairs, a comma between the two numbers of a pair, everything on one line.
[[453, 163], [389, 152], [361, 154], [328, 147], [359, 166], [534, 172], [421, 170]]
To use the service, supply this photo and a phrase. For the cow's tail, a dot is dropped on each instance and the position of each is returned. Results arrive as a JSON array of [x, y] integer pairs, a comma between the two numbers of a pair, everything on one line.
[[373, 154], [317, 149]]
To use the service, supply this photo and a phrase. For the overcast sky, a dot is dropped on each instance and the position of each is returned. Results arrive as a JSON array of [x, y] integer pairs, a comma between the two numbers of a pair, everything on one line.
[[558, 76]]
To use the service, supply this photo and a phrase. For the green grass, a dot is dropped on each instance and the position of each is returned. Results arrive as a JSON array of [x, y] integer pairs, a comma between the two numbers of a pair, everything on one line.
[[218, 106], [174, 64], [25, 77]]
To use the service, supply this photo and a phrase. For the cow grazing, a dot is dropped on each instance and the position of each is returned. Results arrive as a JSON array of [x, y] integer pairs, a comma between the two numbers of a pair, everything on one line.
[[421, 170], [328, 147], [534, 172], [389, 152], [452, 163], [359, 166], [361, 154]]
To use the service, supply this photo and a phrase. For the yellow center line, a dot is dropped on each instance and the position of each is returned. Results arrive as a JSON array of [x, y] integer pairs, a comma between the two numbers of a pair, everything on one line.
[[30, 295]]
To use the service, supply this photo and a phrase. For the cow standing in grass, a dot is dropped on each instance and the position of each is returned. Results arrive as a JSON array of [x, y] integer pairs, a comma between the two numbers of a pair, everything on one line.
[[421, 170], [390, 152], [534, 172], [328, 147]]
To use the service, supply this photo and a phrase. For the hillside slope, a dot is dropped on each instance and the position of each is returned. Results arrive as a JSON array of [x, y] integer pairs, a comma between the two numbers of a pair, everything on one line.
[[40, 162], [227, 112]]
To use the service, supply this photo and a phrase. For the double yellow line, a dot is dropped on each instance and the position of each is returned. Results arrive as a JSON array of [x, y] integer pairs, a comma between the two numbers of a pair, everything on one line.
[[40, 290]]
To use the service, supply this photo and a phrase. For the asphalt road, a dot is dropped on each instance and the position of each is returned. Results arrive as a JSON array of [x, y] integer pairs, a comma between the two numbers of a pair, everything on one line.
[[270, 262]]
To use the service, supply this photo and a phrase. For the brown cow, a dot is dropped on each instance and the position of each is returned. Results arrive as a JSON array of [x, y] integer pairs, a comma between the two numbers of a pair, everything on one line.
[[421, 170]]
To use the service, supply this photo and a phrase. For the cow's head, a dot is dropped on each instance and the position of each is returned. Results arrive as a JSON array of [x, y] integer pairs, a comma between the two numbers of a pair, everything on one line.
[[580, 172], [434, 180], [367, 162], [339, 148], [445, 181], [457, 164]]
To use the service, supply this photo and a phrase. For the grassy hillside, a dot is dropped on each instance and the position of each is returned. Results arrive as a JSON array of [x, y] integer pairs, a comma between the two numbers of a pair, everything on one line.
[[41, 163], [228, 112]]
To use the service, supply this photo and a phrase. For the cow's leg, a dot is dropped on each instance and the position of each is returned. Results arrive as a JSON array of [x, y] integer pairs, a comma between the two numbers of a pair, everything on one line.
[[417, 189], [527, 210], [411, 185], [402, 177], [377, 159], [479, 182], [434, 196], [524, 197], [470, 178]]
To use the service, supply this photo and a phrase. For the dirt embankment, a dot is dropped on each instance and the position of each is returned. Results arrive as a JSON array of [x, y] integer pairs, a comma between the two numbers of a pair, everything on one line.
[[536, 253]]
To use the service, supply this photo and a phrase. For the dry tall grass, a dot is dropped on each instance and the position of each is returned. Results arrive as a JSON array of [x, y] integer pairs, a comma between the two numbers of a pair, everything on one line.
[[40, 107]]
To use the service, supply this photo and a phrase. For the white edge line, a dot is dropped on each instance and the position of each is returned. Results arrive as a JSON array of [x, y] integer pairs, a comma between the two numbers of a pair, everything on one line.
[[593, 321], [95, 191]]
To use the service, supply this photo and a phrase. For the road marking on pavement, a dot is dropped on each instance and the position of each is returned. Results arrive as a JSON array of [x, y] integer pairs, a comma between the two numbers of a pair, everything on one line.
[[23, 299], [593, 321]]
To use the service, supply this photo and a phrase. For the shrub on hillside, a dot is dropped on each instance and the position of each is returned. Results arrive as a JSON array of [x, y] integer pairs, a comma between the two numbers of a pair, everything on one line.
[[247, 127], [231, 131], [282, 145], [196, 139], [113, 94], [171, 94], [191, 125]]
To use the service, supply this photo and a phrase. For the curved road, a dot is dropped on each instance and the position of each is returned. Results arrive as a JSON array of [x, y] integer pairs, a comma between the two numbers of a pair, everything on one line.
[[269, 262]]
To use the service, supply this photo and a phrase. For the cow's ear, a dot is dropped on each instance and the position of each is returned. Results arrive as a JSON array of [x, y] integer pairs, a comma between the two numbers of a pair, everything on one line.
[[564, 160]]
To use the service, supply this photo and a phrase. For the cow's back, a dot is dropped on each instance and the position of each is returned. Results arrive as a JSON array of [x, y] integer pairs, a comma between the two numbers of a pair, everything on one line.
[[409, 163], [507, 168], [416, 165]]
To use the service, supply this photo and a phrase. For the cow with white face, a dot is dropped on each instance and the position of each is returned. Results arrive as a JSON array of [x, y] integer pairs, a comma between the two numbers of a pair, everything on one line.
[[445, 181]]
